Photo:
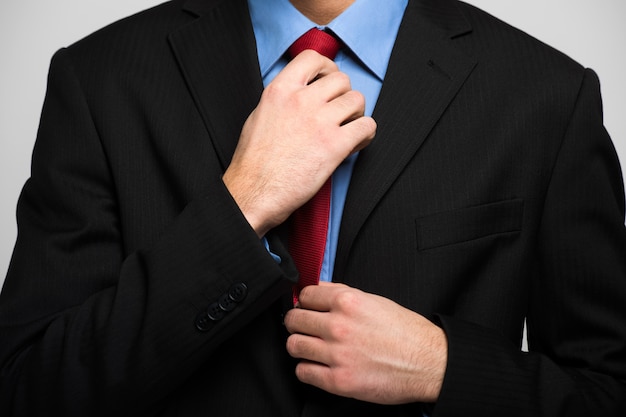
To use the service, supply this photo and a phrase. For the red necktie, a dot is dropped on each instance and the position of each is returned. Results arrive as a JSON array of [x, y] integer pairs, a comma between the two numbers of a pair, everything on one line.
[[309, 226]]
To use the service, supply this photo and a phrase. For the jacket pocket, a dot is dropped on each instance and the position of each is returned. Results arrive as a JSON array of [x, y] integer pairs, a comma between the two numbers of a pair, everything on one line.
[[466, 224]]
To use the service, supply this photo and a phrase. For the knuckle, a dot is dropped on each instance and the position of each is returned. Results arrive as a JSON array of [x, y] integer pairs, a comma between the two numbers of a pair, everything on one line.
[[274, 91], [310, 57], [342, 79], [357, 99], [339, 331], [346, 300], [299, 99], [342, 378], [309, 54]]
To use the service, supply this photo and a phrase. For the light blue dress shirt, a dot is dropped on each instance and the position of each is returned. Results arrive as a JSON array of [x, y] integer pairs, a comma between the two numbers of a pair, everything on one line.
[[368, 29]]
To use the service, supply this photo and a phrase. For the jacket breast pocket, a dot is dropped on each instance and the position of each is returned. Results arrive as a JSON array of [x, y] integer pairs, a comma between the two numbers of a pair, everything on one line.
[[466, 224]]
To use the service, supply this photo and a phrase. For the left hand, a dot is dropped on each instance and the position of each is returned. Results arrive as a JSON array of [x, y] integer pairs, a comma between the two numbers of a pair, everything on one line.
[[364, 346]]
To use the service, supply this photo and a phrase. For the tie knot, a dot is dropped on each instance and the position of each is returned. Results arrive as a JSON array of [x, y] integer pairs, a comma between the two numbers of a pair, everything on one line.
[[318, 40]]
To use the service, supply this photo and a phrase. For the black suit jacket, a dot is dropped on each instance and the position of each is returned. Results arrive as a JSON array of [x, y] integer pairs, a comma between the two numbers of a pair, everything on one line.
[[491, 195]]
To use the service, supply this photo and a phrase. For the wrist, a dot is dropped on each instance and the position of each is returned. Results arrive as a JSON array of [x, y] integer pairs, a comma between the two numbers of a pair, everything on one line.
[[430, 370], [251, 204]]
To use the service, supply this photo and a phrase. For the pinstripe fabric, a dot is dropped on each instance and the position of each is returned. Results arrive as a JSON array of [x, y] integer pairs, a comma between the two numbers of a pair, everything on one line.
[[491, 194]]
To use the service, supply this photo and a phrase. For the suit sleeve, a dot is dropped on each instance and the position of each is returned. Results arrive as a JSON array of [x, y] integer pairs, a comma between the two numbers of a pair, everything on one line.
[[85, 329], [576, 364]]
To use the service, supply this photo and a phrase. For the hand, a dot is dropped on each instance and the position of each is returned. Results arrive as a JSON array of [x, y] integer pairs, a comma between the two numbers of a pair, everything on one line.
[[364, 346], [307, 122]]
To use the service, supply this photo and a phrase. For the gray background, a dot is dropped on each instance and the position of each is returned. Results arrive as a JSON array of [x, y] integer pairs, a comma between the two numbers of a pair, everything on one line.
[[593, 33]]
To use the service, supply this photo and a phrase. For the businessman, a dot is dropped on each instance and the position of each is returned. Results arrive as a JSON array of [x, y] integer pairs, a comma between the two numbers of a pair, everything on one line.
[[472, 187]]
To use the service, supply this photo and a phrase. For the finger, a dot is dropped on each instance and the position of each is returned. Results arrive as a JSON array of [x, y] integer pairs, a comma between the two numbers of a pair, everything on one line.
[[315, 374], [306, 67], [362, 130], [320, 297], [332, 284], [308, 348], [331, 87], [348, 106], [308, 322]]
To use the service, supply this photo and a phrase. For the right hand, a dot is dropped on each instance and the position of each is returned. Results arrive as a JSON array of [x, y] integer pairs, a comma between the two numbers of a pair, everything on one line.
[[307, 122]]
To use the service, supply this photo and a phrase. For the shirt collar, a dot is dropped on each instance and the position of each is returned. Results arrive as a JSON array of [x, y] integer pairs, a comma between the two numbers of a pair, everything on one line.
[[367, 28]]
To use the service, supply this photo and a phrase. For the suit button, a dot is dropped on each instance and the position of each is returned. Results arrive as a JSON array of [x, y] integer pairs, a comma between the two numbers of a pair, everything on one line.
[[238, 292], [214, 312], [203, 322], [226, 303]]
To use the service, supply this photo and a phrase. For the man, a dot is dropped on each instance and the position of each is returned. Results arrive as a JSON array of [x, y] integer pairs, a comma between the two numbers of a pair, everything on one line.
[[152, 273]]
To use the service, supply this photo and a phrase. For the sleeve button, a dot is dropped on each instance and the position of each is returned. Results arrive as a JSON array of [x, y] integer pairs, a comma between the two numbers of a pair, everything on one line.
[[214, 312], [226, 303], [203, 322], [238, 292]]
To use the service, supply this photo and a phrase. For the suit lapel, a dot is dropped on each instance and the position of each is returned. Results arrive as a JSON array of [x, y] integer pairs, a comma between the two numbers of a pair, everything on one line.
[[217, 56], [425, 72]]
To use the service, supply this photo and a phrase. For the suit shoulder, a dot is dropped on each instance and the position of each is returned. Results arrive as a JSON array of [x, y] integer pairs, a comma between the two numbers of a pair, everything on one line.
[[494, 40], [143, 30]]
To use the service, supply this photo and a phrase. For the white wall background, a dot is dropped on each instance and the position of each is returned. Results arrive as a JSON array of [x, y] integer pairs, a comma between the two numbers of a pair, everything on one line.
[[592, 32]]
